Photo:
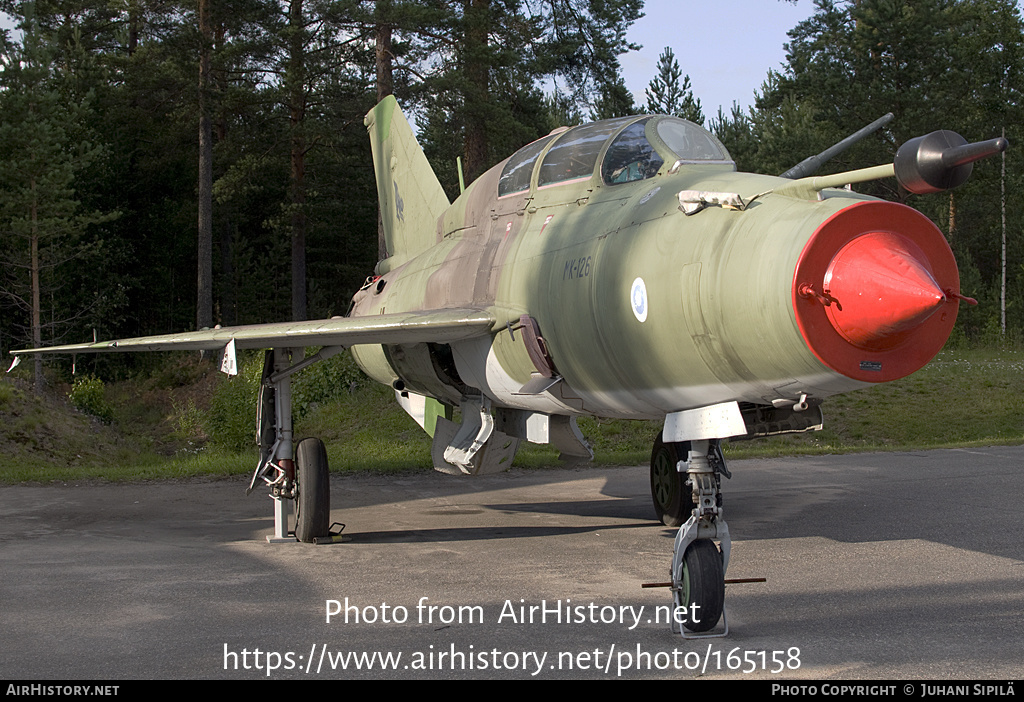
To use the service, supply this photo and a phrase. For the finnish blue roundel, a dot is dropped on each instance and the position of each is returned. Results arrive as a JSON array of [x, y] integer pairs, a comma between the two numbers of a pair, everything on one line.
[[638, 299]]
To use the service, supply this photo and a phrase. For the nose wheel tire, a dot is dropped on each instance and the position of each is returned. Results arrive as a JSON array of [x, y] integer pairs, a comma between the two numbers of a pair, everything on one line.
[[701, 585], [673, 500], [313, 503]]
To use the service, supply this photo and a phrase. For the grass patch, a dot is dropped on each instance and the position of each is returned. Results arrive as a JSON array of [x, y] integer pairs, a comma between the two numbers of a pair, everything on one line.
[[133, 467], [962, 398], [160, 423]]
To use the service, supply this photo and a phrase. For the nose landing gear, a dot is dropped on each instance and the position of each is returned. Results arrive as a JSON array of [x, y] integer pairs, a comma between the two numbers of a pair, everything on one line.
[[698, 567]]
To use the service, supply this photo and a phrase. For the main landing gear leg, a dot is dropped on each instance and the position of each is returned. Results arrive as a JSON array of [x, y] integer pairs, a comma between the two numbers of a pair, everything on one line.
[[698, 567], [306, 485]]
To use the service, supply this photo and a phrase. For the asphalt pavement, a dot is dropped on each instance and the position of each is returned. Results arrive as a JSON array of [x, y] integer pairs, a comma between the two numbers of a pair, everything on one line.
[[887, 566]]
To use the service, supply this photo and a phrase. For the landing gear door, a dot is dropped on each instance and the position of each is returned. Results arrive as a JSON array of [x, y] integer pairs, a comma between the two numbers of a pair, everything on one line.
[[266, 418]]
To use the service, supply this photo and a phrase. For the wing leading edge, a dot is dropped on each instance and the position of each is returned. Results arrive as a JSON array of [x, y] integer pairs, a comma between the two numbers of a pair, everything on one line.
[[400, 328]]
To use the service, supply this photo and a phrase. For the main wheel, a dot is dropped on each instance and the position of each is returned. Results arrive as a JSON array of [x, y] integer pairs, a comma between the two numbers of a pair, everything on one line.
[[673, 500], [313, 503], [703, 585]]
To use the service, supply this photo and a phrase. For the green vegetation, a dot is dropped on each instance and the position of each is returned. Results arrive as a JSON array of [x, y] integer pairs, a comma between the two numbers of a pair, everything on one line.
[[934, 64], [105, 96], [965, 397], [87, 396], [110, 183], [229, 427], [962, 398], [99, 145]]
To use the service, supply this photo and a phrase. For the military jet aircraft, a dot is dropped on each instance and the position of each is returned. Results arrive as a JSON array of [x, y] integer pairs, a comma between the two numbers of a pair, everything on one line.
[[616, 269]]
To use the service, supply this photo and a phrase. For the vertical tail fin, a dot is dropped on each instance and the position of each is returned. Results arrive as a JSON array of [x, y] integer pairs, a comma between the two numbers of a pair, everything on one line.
[[411, 198]]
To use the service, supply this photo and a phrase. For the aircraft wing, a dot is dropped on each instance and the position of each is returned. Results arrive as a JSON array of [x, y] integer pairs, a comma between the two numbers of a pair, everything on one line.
[[399, 328]]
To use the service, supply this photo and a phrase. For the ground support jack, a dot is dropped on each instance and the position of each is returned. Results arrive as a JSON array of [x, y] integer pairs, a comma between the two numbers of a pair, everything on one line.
[[282, 509]]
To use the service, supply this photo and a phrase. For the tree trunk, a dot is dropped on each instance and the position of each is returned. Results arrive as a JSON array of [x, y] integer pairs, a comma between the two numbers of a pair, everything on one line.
[[478, 76], [225, 304], [134, 20], [296, 82], [37, 325], [1002, 256], [204, 272], [383, 30]]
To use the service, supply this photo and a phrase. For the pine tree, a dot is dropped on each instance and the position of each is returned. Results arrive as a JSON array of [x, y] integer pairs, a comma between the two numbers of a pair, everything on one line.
[[953, 64], [665, 94], [736, 132], [563, 111], [204, 253], [615, 100], [483, 97], [41, 156]]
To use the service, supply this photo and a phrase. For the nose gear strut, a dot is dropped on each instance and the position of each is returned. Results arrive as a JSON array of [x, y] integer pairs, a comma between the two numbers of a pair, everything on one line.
[[698, 567]]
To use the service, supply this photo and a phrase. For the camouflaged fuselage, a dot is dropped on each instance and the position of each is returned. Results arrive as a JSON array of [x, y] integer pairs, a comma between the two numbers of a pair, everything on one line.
[[645, 310]]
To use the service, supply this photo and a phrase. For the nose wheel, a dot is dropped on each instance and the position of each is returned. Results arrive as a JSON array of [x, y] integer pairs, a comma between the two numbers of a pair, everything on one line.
[[698, 566], [700, 591]]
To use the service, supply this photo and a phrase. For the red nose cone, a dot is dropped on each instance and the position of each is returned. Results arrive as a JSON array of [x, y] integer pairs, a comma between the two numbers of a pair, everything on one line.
[[875, 291], [882, 290]]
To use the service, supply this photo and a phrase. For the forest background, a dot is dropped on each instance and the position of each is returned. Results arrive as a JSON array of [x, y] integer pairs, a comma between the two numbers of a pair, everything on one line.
[[167, 166]]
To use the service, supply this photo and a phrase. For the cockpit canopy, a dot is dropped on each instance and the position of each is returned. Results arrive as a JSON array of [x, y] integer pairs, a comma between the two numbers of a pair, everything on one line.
[[633, 148]]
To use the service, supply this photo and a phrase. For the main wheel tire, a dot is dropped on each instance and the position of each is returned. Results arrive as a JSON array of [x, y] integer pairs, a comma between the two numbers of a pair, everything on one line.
[[313, 503], [703, 585], [673, 500]]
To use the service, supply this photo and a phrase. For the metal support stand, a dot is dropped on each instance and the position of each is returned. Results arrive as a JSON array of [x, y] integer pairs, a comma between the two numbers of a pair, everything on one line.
[[281, 534]]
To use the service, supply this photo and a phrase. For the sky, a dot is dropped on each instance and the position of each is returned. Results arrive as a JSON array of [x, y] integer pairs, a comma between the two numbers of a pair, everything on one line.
[[725, 46]]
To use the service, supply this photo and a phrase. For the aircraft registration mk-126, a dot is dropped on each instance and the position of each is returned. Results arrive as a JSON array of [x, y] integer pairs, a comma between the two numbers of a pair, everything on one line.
[[618, 269]]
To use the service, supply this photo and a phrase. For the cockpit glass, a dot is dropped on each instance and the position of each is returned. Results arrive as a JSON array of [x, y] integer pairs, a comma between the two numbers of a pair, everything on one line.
[[515, 176], [690, 142], [574, 156], [630, 157]]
